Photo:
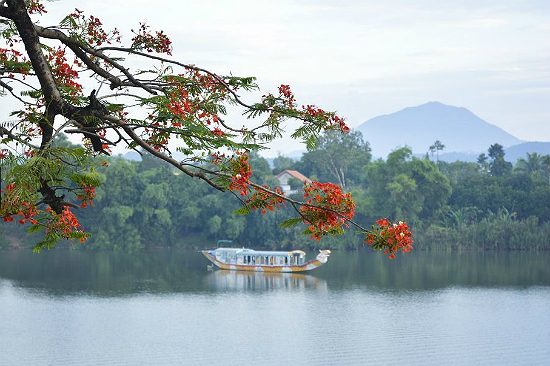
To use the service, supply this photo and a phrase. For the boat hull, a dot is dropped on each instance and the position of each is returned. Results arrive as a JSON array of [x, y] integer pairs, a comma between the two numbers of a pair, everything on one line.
[[307, 266]]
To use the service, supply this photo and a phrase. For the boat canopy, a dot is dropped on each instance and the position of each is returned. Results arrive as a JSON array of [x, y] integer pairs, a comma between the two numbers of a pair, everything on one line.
[[244, 251], [219, 242]]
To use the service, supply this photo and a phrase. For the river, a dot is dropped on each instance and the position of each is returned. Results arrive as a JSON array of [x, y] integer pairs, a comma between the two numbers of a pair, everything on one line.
[[163, 307]]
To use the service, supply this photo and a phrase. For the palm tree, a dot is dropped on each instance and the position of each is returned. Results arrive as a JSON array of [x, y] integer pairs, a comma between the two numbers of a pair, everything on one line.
[[436, 147], [532, 165]]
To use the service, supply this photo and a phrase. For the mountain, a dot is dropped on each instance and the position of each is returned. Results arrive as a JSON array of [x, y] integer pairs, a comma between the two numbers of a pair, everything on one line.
[[131, 155], [515, 152], [418, 127]]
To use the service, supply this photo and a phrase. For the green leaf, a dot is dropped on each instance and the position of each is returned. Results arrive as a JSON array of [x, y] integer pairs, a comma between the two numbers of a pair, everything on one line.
[[114, 107], [336, 231], [47, 243], [88, 178], [34, 229], [290, 222], [244, 210]]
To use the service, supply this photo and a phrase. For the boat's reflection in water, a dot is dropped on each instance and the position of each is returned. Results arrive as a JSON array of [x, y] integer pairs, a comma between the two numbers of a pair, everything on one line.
[[260, 281]]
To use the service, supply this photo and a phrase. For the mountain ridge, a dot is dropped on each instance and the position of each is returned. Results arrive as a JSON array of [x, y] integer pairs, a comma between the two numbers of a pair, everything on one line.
[[459, 129]]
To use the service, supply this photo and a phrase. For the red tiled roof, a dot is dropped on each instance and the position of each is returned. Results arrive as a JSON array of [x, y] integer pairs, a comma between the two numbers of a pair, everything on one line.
[[296, 174]]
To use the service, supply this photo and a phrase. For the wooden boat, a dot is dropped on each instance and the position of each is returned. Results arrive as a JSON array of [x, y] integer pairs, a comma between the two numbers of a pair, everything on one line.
[[242, 259]]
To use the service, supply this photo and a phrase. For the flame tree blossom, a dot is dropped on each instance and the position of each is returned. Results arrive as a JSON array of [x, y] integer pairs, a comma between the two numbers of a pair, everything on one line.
[[390, 238]]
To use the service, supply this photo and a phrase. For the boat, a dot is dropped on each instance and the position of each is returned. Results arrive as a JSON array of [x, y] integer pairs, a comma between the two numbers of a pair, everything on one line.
[[243, 259]]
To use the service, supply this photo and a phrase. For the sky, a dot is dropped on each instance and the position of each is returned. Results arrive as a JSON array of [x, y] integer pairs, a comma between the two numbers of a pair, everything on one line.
[[365, 58]]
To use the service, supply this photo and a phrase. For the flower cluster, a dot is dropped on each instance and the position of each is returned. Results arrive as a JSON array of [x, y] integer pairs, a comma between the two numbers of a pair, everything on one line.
[[333, 121], [217, 132], [264, 200], [158, 141], [191, 102], [87, 196], [390, 237], [240, 174], [209, 82], [327, 208], [65, 224], [95, 31], [188, 93], [36, 7], [64, 73], [217, 157], [13, 61], [12, 205], [286, 94], [144, 39], [310, 114], [27, 212], [91, 29], [179, 104]]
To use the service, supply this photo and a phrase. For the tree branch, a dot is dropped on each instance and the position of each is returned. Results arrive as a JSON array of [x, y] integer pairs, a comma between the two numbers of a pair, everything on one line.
[[10, 90], [159, 154], [30, 38], [80, 51], [5, 131]]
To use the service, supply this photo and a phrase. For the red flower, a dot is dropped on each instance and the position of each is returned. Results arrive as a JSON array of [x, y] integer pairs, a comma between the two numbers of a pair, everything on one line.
[[35, 7], [216, 131], [87, 196], [144, 39], [242, 172], [64, 74], [264, 200], [391, 238], [286, 94], [327, 209]]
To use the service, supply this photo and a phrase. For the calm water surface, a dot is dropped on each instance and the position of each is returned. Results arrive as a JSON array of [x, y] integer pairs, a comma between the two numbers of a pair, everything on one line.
[[164, 308]]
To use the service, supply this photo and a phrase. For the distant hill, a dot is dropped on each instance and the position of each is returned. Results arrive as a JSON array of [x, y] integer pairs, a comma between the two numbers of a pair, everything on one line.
[[131, 155], [515, 152], [458, 156], [418, 127]]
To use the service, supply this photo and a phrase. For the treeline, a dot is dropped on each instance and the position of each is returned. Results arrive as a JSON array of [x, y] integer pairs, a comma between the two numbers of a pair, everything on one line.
[[490, 204]]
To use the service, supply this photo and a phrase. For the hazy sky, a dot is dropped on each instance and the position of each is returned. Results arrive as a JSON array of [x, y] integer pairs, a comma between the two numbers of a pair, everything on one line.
[[365, 58]]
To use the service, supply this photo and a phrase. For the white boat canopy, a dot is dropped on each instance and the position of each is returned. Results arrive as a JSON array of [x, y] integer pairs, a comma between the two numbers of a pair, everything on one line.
[[244, 251]]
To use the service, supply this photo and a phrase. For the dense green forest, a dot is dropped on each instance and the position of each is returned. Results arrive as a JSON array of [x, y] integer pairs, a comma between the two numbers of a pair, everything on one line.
[[490, 204]]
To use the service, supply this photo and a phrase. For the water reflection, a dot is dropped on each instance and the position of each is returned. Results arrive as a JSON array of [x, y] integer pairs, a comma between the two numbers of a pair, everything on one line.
[[69, 272], [258, 281]]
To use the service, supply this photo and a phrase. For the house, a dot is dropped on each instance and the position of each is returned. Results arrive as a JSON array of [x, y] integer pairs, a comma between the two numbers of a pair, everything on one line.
[[286, 176]]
